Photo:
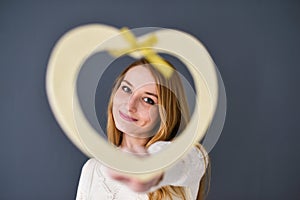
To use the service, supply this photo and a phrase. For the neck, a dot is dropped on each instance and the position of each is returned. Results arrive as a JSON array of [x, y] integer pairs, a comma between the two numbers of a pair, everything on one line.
[[131, 142]]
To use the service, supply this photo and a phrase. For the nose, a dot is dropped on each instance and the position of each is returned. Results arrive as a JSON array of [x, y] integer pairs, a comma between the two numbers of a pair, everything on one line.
[[132, 103]]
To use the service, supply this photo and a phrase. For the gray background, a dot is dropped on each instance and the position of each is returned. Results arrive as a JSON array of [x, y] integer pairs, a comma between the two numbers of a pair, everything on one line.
[[255, 44]]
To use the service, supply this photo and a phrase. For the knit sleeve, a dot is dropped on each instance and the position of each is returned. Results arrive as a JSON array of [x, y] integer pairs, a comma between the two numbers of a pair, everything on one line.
[[85, 180], [186, 172]]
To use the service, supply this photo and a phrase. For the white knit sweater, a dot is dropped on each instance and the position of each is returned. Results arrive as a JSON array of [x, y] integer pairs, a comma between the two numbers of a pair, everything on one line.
[[95, 184]]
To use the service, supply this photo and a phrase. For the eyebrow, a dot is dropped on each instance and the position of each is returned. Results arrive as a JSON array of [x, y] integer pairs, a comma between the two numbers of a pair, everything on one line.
[[149, 93], [127, 82]]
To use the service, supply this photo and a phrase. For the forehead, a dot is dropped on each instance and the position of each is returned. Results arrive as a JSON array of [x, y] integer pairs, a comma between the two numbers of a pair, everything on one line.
[[139, 76]]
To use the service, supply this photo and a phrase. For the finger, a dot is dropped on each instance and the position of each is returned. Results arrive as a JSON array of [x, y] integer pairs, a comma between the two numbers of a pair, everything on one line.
[[117, 175], [143, 186], [138, 186]]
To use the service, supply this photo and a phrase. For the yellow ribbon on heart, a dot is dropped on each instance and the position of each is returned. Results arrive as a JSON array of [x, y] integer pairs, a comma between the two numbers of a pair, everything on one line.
[[145, 49]]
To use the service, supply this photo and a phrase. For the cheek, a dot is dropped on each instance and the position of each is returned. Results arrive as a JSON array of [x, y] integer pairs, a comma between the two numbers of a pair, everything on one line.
[[116, 103], [119, 98], [153, 114]]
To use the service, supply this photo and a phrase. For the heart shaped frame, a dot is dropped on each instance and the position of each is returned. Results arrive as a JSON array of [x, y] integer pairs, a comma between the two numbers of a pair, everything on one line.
[[64, 65]]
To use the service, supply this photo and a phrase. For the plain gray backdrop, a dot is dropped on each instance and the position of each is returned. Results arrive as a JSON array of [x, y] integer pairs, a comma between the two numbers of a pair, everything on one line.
[[255, 45]]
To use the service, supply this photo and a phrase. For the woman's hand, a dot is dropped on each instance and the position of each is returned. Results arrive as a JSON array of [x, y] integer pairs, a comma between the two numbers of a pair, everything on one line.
[[133, 183]]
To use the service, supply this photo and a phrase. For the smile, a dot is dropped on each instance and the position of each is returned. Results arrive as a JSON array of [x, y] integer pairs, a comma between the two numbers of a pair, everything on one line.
[[126, 117]]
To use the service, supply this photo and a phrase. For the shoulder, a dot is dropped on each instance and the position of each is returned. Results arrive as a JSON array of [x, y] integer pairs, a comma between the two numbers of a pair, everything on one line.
[[89, 167], [158, 146], [85, 180], [202, 155], [194, 161], [187, 171], [197, 150], [90, 163]]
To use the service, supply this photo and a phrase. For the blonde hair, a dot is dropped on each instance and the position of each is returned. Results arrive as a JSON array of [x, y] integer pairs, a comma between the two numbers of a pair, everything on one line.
[[174, 118]]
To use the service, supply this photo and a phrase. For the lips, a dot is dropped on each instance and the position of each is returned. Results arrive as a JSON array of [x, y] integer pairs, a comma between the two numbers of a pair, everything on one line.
[[127, 117]]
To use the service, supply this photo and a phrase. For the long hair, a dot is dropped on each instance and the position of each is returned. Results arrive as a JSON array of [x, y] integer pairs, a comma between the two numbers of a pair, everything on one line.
[[173, 119]]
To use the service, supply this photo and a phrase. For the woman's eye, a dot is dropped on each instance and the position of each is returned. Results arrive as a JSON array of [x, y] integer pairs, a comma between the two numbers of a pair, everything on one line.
[[126, 89], [149, 101]]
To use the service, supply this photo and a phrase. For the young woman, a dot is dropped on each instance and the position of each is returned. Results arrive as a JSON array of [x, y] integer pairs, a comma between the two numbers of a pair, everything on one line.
[[145, 112]]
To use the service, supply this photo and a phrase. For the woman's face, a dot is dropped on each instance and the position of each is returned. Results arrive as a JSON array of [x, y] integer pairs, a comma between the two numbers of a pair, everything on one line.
[[135, 108]]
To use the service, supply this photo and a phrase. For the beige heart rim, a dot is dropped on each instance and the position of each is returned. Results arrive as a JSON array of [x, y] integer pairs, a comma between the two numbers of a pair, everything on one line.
[[63, 67]]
